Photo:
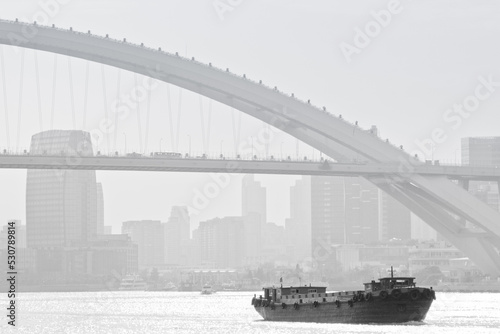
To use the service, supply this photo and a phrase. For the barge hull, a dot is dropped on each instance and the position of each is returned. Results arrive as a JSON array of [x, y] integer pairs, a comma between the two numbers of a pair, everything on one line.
[[385, 311]]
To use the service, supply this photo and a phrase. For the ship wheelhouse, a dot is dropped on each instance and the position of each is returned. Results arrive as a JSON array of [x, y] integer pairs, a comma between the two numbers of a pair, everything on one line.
[[388, 283], [276, 294]]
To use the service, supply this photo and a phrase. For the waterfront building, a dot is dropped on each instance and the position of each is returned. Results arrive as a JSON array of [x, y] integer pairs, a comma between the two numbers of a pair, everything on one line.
[[61, 204]]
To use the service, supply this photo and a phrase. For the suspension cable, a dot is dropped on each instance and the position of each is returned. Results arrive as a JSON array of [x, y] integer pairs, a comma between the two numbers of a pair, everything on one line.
[[147, 117], [202, 120], [171, 121], [38, 93], [209, 125], [5, 104], [21, 84], [105, 101], [85, 98], [179, 113], [138, 114], [54, 81], [236, 130], [116, 111], [72, 97]]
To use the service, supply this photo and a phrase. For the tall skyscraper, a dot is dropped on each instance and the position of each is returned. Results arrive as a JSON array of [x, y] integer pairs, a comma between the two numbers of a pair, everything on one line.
[[483, 151], [222, 242], [253, 198], [361, 211], [149, 237], [395, 219], [61, 205], [177, 232], [100, 209], [298, 226], [327, 216], [344, 210]]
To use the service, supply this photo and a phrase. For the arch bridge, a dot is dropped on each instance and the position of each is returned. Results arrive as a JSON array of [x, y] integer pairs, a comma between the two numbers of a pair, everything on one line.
[[469, 224]]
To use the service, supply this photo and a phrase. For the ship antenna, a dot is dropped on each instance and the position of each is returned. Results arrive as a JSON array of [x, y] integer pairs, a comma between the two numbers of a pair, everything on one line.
[[392, 273]]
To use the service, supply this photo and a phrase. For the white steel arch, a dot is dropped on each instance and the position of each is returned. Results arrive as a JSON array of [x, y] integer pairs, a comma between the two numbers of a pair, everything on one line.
[[438, 201]]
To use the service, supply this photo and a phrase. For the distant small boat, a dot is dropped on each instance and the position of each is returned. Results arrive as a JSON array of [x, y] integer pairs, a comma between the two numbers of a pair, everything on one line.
[[207, 290], [133, 283], [169, 287], [230, 286]]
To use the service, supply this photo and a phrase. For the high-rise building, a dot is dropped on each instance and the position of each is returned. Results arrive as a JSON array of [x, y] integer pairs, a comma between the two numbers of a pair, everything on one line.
[[298, 226], [253, 240], [327, 216], [395, 219], [361, 211], [177, 232], [253, 198], [481, 151], [221, 242], [61, 204], [343, 211], [100, 209], [149, 237]]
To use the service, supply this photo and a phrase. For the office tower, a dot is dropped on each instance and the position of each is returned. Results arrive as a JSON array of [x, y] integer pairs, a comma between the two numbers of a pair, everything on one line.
[[395, 219], [344, 210], [483, 151], [253, 198], [149, 237], [99, 209], [298, 226], [221, 242], [61, 205], [327, 217], [252, 240], [177, 232], [361, 211]]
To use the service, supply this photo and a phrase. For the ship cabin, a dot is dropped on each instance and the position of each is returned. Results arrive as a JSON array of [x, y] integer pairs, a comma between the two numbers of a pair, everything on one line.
[[276, 294], [388, 283]]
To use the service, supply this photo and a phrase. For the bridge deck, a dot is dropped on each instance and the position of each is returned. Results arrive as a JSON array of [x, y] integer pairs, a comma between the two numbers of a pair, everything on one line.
[[242, 166]]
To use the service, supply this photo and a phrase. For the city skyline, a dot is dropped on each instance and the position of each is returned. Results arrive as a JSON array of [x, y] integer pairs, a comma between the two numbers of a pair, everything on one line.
[[337, 87], [338, 160]]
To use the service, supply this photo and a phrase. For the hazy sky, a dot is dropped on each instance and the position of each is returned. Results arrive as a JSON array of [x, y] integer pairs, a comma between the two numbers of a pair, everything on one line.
[[405, 66]]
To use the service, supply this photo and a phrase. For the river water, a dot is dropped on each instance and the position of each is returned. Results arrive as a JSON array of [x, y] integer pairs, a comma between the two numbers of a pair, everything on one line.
[[223, 312]]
